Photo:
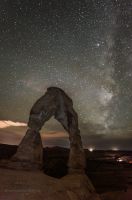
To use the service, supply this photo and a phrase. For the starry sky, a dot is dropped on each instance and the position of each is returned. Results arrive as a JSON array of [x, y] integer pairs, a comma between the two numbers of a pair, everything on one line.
[[81, 46]]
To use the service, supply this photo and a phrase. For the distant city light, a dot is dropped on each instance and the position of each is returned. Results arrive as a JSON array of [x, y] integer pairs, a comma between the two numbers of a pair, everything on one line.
[[91, 149], [120, 160], [115, 149]]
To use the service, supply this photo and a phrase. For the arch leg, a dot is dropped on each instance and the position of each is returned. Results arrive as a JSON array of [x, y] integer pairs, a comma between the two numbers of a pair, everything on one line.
[[29, 153], [76, 161]]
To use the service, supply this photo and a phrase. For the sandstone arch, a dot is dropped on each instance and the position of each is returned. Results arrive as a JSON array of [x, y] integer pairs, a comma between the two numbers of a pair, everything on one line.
[[55, 102]]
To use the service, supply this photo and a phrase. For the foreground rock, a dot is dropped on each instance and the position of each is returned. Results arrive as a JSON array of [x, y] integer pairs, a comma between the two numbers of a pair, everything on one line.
[[117, 195], [19, 185]]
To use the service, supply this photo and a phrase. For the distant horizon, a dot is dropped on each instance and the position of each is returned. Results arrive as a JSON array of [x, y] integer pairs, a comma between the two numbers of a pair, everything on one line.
[[51, 146], [11, 133]]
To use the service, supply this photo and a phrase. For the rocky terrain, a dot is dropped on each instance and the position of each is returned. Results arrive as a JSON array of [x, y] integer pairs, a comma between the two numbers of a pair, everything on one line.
[[23, 176], [112, 180], [31, 172]]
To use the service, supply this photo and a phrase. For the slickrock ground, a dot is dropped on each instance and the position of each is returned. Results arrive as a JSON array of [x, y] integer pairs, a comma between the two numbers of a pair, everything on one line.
[[35, 185]]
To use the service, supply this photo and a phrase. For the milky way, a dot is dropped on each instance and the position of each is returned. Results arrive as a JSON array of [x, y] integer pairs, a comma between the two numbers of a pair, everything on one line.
[[81, 46]]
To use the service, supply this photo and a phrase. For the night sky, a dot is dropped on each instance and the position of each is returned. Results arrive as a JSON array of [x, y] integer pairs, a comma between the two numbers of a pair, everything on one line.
[[81, 46]]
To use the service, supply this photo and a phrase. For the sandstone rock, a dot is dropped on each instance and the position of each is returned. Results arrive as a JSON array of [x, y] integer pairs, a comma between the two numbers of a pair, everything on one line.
[[54, 103], [30, 152], [115, 195], [19, 185], [36, 185]]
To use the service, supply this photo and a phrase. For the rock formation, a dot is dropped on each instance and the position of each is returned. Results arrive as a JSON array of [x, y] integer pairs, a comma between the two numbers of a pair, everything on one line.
[[29, 153], [23, 184], [55, 103]]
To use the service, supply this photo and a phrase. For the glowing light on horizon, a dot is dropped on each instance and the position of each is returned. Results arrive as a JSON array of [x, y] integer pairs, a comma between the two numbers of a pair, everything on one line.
[[120, 160], [115, 149], [91, 149], [8, 123]]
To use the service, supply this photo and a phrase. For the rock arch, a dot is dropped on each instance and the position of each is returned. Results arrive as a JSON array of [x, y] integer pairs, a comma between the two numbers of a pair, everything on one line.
[[55, 102]]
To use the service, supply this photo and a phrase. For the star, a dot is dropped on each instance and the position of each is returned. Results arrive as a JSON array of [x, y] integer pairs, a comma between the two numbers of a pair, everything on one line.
[[98, 44]]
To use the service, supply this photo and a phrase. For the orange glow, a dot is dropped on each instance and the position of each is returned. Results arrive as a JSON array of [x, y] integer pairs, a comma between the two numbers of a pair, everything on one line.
[[5, 124]]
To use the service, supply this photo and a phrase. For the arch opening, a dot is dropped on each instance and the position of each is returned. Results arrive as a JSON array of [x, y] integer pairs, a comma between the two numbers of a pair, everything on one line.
[[53, 134]]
